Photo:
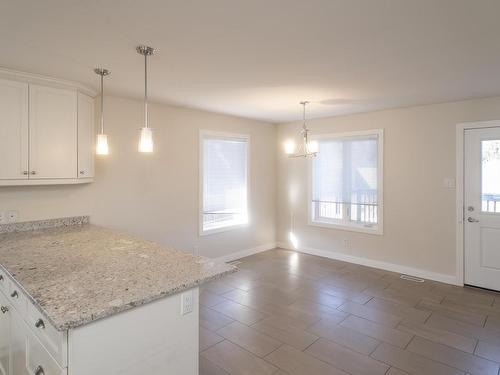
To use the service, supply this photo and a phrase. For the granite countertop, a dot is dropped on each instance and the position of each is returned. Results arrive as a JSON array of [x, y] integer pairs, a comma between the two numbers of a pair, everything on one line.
[[80, 273]]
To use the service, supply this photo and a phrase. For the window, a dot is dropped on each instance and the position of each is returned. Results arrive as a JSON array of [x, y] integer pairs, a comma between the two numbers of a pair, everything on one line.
[[346, 182], [490, 184], [224, 181]]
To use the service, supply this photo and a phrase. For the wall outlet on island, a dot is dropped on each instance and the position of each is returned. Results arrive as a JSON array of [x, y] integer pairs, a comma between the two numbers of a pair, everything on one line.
[[187, 302], [12, 216], [347, 243]]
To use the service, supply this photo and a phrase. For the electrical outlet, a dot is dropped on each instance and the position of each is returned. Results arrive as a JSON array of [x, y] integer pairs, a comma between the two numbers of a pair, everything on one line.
[[187, 302], [3, 217], [196, 250], [12, 216], [347, 243]]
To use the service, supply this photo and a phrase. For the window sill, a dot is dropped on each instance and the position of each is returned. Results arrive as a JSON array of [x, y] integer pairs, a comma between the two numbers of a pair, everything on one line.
[[350, 228], [226, 228]]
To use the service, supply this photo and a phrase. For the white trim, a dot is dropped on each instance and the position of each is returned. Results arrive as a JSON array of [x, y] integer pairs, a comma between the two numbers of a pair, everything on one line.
[[221, 135], [392, 267], [459, 198], [245, 253], [379, 228], [45, 80]]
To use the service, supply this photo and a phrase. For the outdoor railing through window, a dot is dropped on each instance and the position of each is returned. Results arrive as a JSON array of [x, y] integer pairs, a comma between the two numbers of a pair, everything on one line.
[[490, 203], [362, 208]]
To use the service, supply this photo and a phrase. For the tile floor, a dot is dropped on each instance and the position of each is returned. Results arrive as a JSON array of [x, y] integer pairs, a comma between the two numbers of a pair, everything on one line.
[[291, 313]]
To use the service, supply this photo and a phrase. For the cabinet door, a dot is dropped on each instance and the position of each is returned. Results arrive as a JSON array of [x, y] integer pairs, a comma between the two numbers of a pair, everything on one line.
[[18, 341], [53, 133], [85, 136], [4, 335], [13, 130]]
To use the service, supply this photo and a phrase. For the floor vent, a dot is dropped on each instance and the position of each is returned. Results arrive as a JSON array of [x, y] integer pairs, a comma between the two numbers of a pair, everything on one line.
[[412, 278]]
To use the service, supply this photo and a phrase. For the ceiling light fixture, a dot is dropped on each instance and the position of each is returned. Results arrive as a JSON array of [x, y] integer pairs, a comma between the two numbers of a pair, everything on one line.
[[307, 148], [146, 139], [102, 139]]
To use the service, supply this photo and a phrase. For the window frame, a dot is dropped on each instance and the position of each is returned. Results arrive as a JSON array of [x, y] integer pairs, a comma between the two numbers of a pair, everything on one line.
[[379, 228], [220, 135]]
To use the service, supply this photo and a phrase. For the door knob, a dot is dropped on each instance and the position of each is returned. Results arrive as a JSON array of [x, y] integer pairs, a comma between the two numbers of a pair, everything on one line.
[[472, 220]]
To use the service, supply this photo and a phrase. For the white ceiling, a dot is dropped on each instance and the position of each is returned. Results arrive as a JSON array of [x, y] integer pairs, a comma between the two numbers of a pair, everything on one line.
[[259, 58]]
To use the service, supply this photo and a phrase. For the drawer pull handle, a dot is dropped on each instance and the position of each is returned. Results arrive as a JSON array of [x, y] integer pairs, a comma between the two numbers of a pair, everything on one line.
[[14, 294], [40, 324], [4, 309], [39, 371]]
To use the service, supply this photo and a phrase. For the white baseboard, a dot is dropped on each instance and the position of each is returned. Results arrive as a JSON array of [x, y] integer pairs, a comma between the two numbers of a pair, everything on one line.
[[441, 277], [245, 253]]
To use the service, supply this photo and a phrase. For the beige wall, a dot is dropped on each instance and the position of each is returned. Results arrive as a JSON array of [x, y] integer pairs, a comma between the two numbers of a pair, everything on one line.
[[419, 219], [156, 196]]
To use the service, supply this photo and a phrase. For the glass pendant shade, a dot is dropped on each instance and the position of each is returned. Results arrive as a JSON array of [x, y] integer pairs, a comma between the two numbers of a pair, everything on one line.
[[146, 140], [312, 147], [289, 147], [102, 145]]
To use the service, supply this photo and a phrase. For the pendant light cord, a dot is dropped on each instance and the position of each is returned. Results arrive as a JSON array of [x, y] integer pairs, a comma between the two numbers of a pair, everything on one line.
[[145, 90], [102, 103]]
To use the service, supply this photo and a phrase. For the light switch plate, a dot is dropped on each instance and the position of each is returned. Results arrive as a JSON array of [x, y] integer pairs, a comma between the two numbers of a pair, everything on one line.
[[187, 302]]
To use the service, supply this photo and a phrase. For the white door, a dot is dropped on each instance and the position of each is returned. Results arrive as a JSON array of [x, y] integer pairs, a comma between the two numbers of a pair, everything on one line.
[[4, 335], [13, 130], [85, 136], [482, 207], [53, 132]]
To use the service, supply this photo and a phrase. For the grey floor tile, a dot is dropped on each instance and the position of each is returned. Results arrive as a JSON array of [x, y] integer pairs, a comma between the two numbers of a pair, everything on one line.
[[411, 362], [241, 313], [370, 313], [344, 336], [209, 368], [236, 360], [345, 359], [285, 333], [438, 335], [208, 338], [377, 331], [296, 362], [212, 319], [488, 351], [453, 357], [249, 339]]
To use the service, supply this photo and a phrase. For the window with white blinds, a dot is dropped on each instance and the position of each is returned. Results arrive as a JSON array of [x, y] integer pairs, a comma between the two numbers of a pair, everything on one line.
[[346, 182], [224, 179]]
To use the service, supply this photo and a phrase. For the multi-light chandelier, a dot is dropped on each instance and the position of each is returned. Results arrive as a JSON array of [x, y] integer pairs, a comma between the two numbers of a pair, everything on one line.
[[307, 148]]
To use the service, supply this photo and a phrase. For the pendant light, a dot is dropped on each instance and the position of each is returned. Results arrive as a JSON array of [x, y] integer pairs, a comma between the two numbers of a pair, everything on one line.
[[102, 139], [307, 148], [146, 139]]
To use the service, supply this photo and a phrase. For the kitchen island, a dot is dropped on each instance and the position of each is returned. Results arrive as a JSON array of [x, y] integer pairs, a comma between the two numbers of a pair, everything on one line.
[[81, 299]]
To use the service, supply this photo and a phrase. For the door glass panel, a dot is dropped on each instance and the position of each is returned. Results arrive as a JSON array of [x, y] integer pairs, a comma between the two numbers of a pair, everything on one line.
[[490, 171]]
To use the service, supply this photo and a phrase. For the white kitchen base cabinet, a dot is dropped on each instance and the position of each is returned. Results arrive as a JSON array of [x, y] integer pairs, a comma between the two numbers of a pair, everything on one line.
[[153, 339]]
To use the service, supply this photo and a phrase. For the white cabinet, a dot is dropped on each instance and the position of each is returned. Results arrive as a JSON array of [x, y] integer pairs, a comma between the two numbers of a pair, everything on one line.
[[4, 335], [14, 130], [86, 117], [17, 345], [46, 132], [53, 132]]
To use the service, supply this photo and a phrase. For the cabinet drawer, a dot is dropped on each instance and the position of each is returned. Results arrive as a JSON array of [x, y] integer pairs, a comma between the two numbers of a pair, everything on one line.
[[39, 359], [53, 340], [17, 298]]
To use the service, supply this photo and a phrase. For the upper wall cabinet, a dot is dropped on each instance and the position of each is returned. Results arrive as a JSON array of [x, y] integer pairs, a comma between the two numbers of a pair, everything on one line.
[[14, 130], [47, 133]]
